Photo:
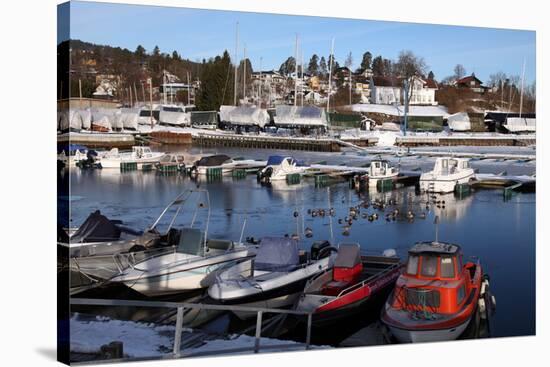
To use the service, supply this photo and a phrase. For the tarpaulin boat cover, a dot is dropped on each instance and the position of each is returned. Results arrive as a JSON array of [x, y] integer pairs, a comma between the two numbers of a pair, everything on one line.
[[62, 120], [300, 116], [459, 122], [175, 118], [274, 160], [348, 256], [277, 254], [520, 124], [96, 228], [105, 119], [244, 115], [75, 120], [213, 160], [128, 118]]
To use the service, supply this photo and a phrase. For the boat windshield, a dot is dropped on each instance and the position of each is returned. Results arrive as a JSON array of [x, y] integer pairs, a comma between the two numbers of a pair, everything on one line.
[[429, 266], [447, 267], [412, 265]]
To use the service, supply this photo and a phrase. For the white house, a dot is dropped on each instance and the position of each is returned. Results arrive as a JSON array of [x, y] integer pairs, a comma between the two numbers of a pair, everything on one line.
[[389, 90], [423, 92]]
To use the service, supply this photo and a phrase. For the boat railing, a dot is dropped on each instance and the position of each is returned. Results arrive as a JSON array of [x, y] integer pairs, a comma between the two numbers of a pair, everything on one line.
[[183, 307], [369, 280]]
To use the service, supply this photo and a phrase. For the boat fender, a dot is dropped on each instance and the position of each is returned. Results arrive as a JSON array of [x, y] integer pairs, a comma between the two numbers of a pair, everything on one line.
[[482, 308]]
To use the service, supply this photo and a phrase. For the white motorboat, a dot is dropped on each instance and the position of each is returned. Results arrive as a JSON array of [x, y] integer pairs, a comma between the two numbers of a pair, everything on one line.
[[278, 167], [446, 174], [192, 263], [380, 169], [139, 154], [275, 278], [224, 163]]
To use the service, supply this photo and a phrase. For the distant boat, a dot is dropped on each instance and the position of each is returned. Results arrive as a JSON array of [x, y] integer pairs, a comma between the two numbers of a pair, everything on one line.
[[446, 174], [380, 169], [139, 154], [437, 295], [278, 167], [225, 163]]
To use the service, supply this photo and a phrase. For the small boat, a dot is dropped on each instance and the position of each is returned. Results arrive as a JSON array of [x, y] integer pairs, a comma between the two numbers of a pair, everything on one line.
[[351, 285], [224, 163], [139, 154], [446, 174], [278, 167], [275, 278], [381, 169], [191, 264], [437, 295]]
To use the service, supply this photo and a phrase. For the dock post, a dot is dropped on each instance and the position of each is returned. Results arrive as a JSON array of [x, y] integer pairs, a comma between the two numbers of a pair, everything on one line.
[[177, 337], [258, 332], [308, 333]]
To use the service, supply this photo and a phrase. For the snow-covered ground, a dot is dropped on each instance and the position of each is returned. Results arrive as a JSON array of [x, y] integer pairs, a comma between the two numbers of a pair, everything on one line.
[[141, 339], [399, 110]]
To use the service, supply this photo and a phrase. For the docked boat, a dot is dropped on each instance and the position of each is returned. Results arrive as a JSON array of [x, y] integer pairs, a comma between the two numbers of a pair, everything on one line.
[[193, 261], [275, 278], [224, 164], [380, 169], [278, 167], [437, 295], [446, 174], [193, 264], [350, 286], [139, 154]]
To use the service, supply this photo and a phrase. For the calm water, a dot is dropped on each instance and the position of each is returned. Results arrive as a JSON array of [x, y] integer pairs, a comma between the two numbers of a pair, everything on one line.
[[501, 233]]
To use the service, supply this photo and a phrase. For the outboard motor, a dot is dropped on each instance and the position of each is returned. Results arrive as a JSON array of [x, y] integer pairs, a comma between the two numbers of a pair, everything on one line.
[[264, 175], [319, 248]]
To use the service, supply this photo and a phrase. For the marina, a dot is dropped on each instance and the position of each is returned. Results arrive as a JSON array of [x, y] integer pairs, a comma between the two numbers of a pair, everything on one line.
[[311, 217]]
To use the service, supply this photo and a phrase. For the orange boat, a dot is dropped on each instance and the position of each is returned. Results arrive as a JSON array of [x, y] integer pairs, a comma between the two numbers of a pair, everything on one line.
[[437, 295]]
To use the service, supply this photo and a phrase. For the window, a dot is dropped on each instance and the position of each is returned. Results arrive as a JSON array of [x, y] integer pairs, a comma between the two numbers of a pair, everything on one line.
[[447, 267], [429, 266], [412, 265]]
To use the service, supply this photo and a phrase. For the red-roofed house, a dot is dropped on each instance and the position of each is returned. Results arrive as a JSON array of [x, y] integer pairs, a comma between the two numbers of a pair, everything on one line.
[[470, 82]]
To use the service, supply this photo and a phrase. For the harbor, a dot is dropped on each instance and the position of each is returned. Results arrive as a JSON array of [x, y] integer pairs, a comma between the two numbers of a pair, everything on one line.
[[309, 210]]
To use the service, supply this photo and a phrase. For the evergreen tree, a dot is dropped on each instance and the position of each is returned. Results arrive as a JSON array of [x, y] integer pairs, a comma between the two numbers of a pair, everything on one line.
[[140, 52], [431, 75], [216, 83], [323, 70], [366, 61], [313, 66], [288, 67], [378, 66]]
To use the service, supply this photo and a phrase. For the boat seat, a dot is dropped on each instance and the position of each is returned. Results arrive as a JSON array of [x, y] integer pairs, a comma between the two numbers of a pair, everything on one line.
[[347, 270], [216, 244]]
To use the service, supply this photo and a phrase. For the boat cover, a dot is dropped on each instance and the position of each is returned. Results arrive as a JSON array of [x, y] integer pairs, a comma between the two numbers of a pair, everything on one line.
[[96, 228], [213, 160], [244, 115], [274, 160], [277, 254], [175, 118], [459, 122], [348, 256], [520, 124], [300, 116], [128, 118]]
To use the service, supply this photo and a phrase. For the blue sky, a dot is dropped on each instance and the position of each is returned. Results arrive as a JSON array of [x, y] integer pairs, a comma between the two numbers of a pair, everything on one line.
[[198, 34]]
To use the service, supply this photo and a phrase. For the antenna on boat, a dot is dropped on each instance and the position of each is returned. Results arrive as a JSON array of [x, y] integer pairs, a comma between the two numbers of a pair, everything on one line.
[[436, 222], [330, 217]]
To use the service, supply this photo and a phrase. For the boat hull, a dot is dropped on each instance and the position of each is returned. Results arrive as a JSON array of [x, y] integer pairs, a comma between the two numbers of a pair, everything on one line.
[[424, 336], [441, 185]]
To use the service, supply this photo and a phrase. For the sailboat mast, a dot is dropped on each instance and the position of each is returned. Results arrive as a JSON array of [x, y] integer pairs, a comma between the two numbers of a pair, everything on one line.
[[296, 70], [244, 73], [236, 63], [521, 89], [331, 57]]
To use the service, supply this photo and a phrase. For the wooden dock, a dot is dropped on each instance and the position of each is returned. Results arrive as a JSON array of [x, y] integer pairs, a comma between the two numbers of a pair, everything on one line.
[[98, 140], [266, 142], [481, 140]]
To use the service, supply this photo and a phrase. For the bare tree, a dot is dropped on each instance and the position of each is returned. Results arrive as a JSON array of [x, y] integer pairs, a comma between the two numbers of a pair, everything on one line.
[[459, 71], [407, 66]]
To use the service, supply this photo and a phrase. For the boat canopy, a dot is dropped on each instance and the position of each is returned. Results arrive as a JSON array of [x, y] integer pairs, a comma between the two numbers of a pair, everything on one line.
[[213, 160], [300, 116], [348, 256], [244, 115], [96, 228], [274, 160], [277, 254], [434, 248], [173, 116]]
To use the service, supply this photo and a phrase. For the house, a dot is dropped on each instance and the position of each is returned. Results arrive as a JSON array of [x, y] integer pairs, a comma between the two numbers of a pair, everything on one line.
[[268, 76], [365, 73], [389, 90], [423, 92], [361, 85], [471, 82], [385, 90]]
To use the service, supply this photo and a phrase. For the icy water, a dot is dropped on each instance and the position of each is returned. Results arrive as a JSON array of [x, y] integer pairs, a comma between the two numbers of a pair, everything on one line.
[[500, 233]]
